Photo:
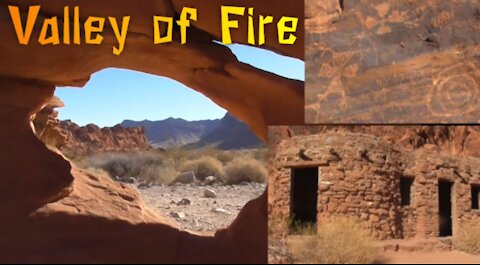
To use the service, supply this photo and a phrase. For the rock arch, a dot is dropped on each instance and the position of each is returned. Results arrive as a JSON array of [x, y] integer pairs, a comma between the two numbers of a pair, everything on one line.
[[58, 214]]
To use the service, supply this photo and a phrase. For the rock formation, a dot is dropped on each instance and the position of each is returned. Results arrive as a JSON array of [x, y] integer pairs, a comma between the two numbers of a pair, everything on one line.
[[392, 61], [92, 139], [230, 134], [47, 126], [451, 140], [56, 214], [73, 140]]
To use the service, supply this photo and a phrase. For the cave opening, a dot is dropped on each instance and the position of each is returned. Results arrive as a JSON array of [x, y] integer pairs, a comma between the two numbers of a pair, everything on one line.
[[304, 196]]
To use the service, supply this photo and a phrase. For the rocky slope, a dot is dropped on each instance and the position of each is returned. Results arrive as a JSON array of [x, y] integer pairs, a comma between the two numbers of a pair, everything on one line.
[[73, 140], [172, 132], [229, 134], [226, 133], [81, 140]]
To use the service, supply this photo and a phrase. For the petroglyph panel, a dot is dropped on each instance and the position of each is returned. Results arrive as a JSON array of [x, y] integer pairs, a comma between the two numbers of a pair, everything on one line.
[[394, 61]]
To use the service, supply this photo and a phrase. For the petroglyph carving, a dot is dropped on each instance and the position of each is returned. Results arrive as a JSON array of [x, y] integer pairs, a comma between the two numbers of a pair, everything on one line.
[[393, 61], [456, 90]]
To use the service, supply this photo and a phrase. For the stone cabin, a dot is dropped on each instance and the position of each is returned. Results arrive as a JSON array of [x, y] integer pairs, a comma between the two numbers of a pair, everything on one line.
[[396, 193]]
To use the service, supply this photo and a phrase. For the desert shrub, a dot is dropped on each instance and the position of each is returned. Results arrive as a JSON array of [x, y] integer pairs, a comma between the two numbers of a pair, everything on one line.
[[245, 170], [467, 238], [162, 167], [179, 155], [159, 174], [337, 241], [151, 167], [204, 167], [261, 154], [224, 156]]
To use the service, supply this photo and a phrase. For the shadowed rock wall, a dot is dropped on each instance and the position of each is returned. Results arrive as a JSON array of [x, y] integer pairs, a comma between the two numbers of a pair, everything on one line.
[[56, 214]]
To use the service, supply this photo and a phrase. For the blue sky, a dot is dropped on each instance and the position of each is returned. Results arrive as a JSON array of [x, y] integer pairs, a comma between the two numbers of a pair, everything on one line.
[[113, 95]]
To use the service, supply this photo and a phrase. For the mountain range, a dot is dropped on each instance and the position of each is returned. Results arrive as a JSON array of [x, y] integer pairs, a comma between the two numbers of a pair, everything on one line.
[[226, 133]]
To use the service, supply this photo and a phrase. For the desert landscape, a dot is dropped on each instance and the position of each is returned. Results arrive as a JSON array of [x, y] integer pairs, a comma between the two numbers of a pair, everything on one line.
[[374, 194], [199, 174], [51, 207]]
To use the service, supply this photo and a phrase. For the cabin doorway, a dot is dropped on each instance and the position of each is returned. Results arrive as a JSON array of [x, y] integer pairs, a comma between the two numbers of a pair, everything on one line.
[[304, 196], [445, 208]]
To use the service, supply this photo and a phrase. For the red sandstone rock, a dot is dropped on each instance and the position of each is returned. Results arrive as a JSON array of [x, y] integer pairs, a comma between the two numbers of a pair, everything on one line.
[[392, 61], [73, 140], [276, 9], [203, 65], [93, 139], [454, 140], [52, 215], [46, 124]]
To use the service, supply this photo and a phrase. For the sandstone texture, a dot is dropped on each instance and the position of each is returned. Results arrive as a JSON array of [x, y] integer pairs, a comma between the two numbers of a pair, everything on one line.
[[47, 125], [93, 139], [360, 175], [392, 61], [55, 214]]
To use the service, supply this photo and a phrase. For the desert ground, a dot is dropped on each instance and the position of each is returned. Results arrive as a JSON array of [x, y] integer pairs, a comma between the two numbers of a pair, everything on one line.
[[446, 257], [188, 205], [202, 190], [279, 254]]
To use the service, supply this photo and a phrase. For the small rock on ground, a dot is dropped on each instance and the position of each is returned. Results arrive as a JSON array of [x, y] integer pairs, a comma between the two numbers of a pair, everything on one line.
[[199, 216]]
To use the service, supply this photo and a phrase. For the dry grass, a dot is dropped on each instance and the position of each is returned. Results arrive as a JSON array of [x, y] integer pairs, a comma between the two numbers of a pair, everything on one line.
[[162, 167], [226, 156], [337, 241], [205, 167], [467, 238], [148, 166], [245, 170]]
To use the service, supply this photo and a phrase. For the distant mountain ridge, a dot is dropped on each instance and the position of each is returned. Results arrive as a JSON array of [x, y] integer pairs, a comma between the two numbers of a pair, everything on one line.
[[230, 134], [226, 133], [173, 132]]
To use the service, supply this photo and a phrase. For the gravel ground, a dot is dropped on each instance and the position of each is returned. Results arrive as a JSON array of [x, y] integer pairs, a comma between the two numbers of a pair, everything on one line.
[[188, 204]]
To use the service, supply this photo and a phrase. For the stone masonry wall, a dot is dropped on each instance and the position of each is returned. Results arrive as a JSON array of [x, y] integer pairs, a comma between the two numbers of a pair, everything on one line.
[[360, 178]]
